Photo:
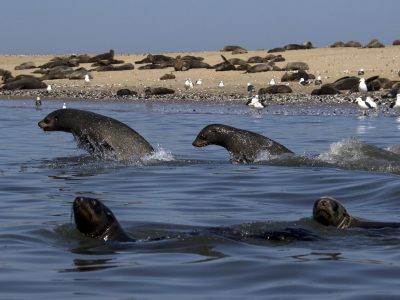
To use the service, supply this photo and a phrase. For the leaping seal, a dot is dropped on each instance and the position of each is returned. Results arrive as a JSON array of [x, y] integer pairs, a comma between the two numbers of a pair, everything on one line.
[[244, 146], [98, 134], [330, 212], [95, 220]]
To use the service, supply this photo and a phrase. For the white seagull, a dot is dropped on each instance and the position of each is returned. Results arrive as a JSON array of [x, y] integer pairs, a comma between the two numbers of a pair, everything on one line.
[[199, 81], [303, 82], [87, 78], [64, 106], [318, 81], [188, 84], [38, 102], [272, 82], [255, 102], [362, 86], [366, 103], [396, 104], [49, 88], [221, 84]]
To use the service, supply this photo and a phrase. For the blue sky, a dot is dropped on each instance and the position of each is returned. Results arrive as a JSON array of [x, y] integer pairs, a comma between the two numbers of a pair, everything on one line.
[[156, 26]]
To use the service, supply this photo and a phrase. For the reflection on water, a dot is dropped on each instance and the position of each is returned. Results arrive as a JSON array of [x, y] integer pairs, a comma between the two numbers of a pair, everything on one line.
[[177, 202]]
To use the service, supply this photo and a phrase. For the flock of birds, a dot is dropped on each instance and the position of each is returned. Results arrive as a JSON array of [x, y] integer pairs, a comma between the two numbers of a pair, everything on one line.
[[364, 102]]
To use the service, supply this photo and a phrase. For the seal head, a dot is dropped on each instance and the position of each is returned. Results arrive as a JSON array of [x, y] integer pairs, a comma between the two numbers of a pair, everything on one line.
[[95, 220], [330, 212]]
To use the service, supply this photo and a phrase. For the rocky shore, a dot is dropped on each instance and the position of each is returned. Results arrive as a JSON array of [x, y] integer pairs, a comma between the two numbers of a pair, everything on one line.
[[144, 77]]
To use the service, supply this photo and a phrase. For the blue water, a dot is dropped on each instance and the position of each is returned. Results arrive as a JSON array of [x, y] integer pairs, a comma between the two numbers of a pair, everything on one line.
[[184, 189]]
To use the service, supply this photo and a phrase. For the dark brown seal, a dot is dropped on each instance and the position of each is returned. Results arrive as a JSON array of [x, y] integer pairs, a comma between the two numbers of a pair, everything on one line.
[[330, 212], [98, 134], [244, 146], [95, 220]]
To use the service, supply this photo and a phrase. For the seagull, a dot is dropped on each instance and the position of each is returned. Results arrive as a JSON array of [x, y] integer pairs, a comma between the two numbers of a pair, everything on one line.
[[250, 89], [362, 87], [221, 84], [87, 79], [188, 84], [318, 81], [361, 72], [49, 88], [272, 82], [366, 103], [303, 82], [38, 102], [396, 104], [255, 102], [199, 81], [64, 106]]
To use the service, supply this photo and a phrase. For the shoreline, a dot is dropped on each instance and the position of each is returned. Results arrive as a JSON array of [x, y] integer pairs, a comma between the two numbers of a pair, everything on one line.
[[329, 63]]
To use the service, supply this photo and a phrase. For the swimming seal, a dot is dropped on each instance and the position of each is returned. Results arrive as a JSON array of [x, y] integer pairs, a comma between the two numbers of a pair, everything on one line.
[[244, 146], [98, 134], [330, 212], [95, 220]]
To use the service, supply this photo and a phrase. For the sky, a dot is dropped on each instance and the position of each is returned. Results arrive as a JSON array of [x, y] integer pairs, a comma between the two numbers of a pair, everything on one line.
[[162, 26]]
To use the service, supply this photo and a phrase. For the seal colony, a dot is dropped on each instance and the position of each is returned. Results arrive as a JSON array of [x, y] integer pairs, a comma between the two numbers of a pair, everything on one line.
[[306, 62], [99, 135]]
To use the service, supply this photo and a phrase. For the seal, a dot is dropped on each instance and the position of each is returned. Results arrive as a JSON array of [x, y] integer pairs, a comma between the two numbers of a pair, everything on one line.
[[99, 135], [330, 212], [95, 220], [244, 146]]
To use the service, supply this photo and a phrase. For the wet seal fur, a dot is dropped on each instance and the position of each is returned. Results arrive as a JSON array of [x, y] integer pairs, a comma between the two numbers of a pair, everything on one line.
[[244, 146], [95, 220], [330, 212], [98, 134]]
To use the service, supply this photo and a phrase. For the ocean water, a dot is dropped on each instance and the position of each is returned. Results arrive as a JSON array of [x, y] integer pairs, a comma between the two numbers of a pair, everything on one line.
[[182, 190]]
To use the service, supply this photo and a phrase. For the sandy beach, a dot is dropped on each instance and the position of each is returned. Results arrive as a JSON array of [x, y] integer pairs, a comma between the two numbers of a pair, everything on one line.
[[329, 63]]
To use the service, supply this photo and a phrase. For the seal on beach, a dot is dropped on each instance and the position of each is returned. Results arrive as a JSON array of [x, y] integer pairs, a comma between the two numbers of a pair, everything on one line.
[[95, 220], [244, 146], [330, 212], [98, 134]]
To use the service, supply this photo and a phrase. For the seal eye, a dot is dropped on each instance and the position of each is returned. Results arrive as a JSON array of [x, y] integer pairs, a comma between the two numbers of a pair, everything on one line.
[[335, 207]]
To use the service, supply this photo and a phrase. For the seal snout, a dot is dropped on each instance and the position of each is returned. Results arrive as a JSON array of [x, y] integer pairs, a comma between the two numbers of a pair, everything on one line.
[[199, 143]]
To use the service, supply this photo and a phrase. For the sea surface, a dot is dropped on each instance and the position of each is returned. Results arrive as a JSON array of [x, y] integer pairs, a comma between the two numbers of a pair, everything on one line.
[[169, 201]]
